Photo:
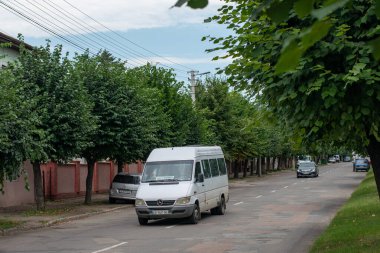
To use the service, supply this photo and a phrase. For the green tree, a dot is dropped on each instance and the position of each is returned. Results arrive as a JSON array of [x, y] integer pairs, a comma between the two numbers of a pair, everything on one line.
[[332, 93], [17, 126], [60, 105], [175, 102], [122, 113]]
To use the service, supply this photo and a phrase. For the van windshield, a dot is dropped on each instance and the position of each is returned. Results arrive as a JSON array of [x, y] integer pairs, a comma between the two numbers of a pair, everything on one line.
[[167, 171]]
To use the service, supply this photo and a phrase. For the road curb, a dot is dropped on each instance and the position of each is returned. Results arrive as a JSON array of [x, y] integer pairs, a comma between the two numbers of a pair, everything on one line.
[[11, 231]]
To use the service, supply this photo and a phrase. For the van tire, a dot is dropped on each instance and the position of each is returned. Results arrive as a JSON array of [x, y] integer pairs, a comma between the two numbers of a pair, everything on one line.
[[143, 221], [112, 200], [221, 209], [196, 215]]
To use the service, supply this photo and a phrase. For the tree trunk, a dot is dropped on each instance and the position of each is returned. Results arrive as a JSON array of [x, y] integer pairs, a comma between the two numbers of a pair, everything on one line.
[[120, 166], [259, 173], [38, 191], [374, 153], [245, 167], [90, 175], [252, 166], [236, 169]]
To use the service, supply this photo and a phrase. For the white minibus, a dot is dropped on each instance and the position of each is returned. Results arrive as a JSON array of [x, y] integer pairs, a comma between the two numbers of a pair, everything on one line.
[[182, 182]]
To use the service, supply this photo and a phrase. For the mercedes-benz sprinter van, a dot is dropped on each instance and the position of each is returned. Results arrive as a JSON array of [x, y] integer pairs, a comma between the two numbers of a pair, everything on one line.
[[182, 182]]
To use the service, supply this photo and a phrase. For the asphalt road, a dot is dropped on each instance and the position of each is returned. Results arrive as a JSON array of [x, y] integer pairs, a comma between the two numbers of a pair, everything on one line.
[[280, 213]]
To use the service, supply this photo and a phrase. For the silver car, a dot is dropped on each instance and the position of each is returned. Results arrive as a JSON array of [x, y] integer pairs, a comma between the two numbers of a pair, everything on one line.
[[307, 169], [124, 187]]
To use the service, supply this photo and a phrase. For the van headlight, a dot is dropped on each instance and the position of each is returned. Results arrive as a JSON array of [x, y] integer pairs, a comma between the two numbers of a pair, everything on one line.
[[183, 201], [140, 202]]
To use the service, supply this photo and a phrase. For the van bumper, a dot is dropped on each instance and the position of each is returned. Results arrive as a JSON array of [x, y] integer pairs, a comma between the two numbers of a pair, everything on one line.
[[182, 211]]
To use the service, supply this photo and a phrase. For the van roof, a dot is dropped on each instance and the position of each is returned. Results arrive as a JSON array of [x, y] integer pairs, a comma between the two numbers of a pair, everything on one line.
[[183, 153]]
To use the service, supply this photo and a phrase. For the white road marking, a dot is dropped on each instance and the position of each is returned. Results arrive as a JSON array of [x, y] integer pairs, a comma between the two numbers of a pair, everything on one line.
[[259, 196], [105, 249], [295, 183], [286, 187], [238, 203], [171, 226], [273, 191]]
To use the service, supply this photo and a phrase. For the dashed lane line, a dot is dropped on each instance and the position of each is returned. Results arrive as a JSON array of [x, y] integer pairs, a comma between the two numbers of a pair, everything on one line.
[[238, 203], [108, 248]]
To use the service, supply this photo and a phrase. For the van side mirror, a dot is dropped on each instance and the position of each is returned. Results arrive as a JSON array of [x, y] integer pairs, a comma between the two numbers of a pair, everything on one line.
[[200, 178]]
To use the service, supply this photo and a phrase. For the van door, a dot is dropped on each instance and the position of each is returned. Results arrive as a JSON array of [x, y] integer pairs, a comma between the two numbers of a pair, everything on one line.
[[199, 188]]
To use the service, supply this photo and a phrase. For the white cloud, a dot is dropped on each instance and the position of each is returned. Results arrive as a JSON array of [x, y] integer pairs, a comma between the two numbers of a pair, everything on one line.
[[118, 15]]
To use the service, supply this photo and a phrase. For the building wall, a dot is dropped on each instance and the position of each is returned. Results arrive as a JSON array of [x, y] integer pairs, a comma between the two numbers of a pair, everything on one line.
[[66, 176], [62, 181], [7, 55], [15, 192]]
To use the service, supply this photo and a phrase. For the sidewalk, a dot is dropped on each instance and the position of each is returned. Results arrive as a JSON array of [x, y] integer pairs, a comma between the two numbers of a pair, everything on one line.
[[24, 218]]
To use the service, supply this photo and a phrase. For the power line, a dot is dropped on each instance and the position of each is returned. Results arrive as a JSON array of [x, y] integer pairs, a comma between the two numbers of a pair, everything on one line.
[[86, 41], [126, 38], [39, 25], [78, 40], [78, 23]]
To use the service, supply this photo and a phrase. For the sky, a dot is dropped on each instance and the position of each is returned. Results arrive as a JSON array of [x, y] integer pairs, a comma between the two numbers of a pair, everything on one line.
[[137, 31]]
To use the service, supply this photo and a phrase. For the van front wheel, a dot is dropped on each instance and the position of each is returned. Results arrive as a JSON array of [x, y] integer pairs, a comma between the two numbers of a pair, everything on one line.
[[196, 216], [143, 221]]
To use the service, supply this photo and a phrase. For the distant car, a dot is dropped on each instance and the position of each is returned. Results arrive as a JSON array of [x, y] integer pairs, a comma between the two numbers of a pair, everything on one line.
[[124, 187], [337, 158], [346, 158], [307, 169], [361, 164], [332, 159]]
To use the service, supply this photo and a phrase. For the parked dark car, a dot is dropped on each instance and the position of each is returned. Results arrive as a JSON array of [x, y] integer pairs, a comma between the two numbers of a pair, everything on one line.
[[307, 169], [361, 164], [124, 187]]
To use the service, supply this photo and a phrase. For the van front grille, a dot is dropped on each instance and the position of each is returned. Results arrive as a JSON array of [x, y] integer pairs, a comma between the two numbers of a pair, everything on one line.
[[164, 203]]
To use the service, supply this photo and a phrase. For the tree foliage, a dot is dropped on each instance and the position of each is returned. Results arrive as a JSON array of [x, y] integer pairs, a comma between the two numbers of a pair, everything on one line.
[[332, 94]]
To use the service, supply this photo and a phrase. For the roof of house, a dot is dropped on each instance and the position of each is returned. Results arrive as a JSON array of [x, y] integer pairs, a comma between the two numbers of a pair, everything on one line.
[[15, 43]]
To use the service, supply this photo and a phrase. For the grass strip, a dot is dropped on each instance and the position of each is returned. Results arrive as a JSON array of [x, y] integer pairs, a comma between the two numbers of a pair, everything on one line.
[[6, 224], [356, 227]]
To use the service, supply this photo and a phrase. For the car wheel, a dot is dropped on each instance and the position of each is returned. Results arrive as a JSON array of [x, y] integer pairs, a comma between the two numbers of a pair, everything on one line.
[[143, 221], [196, 215], [112, 200]]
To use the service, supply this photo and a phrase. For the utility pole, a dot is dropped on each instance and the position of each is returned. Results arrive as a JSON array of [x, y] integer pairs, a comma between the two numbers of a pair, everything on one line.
[[193, 82]]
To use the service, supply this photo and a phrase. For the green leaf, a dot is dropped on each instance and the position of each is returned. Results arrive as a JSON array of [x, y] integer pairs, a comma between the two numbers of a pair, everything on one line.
[[197, 4], [377, 8], [279, 10], [179, 3], [289, 58], [365, 111], [375, 47], [315, 33], [358, 67], [303, 7], [329, 7]]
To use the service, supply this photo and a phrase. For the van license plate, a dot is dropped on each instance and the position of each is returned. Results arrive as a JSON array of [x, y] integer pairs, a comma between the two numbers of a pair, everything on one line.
[[160, 211], [125, 191]]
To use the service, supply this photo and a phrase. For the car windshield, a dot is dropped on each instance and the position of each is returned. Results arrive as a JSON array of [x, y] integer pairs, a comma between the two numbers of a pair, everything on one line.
[[167, 171], [361, 161], [306, 165]]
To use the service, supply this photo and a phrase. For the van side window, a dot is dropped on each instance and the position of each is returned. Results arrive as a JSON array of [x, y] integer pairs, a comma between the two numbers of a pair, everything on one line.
[[198, 169], [214, 167], [222, 166], [206, 168]]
